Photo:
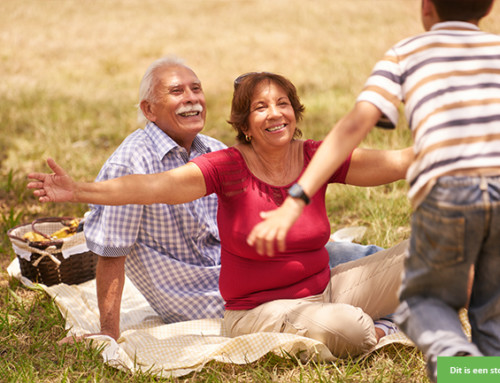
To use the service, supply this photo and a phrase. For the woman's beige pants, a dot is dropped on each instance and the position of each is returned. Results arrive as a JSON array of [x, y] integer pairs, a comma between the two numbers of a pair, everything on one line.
[[341, 317]]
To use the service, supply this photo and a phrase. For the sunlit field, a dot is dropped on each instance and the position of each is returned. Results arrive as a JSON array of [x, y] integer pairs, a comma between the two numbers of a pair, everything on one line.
[[70, 72]]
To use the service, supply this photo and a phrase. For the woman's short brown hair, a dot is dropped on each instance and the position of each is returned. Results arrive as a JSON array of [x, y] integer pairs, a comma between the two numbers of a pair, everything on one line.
[[244, 88]]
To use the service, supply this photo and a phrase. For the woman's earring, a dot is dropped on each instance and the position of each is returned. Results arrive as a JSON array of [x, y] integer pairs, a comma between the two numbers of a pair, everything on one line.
[[248, 138]]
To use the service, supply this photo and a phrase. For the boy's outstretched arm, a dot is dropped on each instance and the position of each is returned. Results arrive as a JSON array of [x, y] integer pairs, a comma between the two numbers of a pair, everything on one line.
[[338, 144]]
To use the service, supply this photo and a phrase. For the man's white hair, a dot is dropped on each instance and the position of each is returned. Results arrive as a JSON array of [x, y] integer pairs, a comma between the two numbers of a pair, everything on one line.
[[150, 80]]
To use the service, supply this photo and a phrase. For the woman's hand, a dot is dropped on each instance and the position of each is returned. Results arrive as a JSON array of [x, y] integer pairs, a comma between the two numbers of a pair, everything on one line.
[[271, 233], [55, 187]]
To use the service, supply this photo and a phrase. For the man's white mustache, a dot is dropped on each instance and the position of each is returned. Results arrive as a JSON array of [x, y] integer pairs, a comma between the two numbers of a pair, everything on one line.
[[190, 108]]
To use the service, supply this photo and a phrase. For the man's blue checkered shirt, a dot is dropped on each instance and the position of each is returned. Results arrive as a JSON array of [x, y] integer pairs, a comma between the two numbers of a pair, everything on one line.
[[173, 251]]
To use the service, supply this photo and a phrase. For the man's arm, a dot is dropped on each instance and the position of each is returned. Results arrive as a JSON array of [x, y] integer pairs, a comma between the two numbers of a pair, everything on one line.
[[110, 278]]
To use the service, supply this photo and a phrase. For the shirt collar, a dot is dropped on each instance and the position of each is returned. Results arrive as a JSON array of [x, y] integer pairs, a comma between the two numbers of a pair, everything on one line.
[[165, 144], [461, 25]]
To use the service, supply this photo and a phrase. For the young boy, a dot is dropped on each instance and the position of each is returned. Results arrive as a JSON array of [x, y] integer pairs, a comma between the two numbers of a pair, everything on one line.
[[449, 81]]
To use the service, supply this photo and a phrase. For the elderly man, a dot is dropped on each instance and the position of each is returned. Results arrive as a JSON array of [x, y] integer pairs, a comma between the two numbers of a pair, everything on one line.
[[170, 252]]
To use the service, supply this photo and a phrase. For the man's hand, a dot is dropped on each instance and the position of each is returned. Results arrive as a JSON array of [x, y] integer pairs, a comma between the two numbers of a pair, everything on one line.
[[271, 232], [71, 339], [55, 187]]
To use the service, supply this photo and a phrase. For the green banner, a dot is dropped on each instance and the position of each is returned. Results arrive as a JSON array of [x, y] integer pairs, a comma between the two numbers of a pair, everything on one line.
[[475, 369]]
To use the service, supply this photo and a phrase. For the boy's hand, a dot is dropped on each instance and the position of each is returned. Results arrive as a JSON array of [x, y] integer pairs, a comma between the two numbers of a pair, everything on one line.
[[271, 232]]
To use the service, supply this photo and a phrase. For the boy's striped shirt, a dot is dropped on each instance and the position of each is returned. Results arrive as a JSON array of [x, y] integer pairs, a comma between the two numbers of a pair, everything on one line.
[[449, 81]]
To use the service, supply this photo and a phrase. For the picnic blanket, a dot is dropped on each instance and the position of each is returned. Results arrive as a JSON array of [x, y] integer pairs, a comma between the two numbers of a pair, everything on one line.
[[148, 344]]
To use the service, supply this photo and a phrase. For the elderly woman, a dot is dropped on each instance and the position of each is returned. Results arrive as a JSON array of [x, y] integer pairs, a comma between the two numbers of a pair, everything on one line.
[[292, 291]]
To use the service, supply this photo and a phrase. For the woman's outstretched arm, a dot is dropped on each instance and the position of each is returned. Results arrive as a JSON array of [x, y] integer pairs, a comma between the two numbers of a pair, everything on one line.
[[371, 167], [179, 185]]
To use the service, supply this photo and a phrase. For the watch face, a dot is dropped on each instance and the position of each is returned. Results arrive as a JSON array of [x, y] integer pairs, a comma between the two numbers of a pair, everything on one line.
[[296, 191]]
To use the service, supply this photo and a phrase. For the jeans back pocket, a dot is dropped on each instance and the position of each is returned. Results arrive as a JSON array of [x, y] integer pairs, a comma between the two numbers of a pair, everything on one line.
[[439, 240]]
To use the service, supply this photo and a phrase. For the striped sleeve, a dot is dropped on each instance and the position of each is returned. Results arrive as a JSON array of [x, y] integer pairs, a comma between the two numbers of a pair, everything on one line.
[[383, 87]]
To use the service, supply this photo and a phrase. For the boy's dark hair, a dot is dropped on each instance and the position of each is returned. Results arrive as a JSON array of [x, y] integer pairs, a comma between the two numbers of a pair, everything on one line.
[[462, 10]]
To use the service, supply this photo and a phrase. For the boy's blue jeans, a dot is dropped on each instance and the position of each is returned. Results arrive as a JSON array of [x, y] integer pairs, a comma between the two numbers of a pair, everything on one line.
[[457, 225]]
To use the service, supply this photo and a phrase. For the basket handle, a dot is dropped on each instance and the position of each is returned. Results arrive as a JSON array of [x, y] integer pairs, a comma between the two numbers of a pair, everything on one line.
[[42, 220], [48, 219]]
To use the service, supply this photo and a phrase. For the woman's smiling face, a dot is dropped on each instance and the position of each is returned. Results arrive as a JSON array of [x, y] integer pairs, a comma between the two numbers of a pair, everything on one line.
[[272, 118]]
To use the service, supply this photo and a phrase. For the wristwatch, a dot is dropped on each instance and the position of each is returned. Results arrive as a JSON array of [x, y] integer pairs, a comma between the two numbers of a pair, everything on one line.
[[296, 191]]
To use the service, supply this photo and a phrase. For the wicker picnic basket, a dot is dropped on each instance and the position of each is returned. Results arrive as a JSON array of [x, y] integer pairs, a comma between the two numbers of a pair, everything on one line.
[[53, 260]]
